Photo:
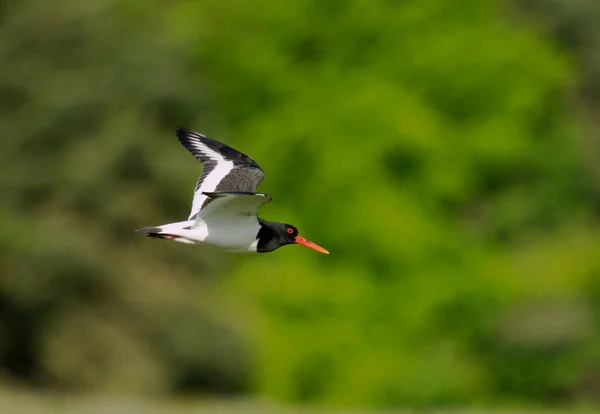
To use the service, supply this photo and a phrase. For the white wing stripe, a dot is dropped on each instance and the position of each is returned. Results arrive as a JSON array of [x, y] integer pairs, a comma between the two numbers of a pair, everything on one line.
[[212, 180]]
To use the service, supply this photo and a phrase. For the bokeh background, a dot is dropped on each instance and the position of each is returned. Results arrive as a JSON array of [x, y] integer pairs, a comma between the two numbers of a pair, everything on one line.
[[446, 152]]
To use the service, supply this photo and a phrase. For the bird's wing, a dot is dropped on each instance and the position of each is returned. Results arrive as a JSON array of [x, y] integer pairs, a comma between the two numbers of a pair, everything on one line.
[[231, 206], [224, 169]]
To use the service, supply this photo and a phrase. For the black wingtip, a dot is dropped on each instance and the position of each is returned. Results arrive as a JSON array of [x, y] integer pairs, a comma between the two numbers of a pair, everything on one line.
[[185, 135], [182, 131]]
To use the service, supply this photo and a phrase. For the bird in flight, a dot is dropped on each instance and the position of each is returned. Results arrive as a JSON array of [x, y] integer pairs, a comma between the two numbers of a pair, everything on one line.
[[225, 205]]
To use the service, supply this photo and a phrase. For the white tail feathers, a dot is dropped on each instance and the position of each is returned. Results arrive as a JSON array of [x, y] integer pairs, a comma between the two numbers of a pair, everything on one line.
[[172, 231]]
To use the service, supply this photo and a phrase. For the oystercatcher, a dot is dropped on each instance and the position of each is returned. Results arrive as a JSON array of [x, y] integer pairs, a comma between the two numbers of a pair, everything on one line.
[[225, 205]]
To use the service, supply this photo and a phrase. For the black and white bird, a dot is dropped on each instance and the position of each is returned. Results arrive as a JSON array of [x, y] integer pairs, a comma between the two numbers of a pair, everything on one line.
[[225, 205]]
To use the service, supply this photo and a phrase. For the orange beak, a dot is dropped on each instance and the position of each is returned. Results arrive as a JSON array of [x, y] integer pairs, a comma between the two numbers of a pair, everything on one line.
[[301, 240]]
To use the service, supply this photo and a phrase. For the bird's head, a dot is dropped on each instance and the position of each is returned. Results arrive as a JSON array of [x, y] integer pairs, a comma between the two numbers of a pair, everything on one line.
[[273, 235]]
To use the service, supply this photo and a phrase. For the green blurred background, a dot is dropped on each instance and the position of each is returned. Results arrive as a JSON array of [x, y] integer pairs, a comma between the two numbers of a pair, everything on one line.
[[446, 152]]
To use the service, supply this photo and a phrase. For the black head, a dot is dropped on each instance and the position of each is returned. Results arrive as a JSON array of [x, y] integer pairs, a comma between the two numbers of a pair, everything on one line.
[[273, 235]]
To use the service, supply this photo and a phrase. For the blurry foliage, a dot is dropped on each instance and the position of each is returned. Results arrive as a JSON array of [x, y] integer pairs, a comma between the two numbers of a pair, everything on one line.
[[86, 158], [575, 25], [430, 146]]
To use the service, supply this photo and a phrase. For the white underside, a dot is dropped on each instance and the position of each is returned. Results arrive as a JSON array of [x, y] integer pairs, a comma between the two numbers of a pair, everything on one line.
[[234, 236], [229, 221]]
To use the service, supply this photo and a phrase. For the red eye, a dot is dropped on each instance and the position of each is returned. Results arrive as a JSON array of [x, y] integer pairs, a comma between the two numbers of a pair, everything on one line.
[[290, 230]]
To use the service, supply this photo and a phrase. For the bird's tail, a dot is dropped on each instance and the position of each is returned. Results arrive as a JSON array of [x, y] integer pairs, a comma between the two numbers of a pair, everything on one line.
[[172, 231], [156, 233]]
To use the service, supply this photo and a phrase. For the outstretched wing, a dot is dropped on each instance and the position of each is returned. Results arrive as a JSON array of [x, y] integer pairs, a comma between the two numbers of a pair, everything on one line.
[[224, 169]]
